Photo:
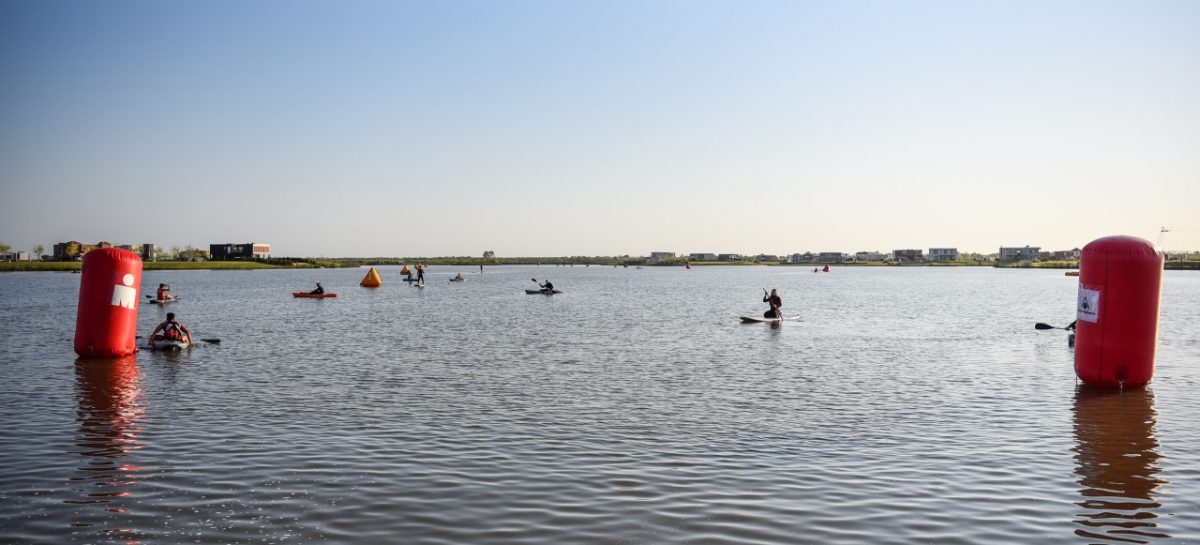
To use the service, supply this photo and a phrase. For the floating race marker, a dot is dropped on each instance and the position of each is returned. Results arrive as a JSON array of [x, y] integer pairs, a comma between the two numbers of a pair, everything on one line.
[[371, 280], [106, 324]]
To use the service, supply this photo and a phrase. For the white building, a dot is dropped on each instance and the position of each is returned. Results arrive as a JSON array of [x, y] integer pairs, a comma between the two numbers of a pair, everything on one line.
[[869, 256], [702, 257], [656, 257]]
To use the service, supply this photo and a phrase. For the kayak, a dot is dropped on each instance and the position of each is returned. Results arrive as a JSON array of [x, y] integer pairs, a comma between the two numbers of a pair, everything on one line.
[[545, 292], [458, 279], [163, 302], [312, 295], [760, 319], [165, 344]]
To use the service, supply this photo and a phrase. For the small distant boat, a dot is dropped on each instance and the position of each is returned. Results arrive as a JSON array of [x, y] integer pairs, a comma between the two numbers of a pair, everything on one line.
[[459, 278], [1072, 273], [543, 292], [305, 294]]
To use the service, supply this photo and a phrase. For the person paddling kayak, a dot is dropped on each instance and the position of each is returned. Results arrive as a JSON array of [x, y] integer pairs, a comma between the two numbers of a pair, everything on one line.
[[320, 289], [163, 293], [547, 287], [775, 302], [171, 331]]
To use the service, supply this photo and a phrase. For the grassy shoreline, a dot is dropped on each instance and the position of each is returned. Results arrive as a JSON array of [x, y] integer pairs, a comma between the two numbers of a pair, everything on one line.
[[71, 266]]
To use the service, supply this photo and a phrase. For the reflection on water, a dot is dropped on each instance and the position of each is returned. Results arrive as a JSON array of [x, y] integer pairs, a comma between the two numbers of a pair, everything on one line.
[[111, 413], [1116, 457]]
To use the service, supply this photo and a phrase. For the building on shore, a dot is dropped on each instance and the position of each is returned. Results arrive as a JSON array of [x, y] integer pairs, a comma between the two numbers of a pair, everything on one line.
[[766, 258], [729, 257], [249, 250], [908, 255], [831, 257], [870, 256], [657, 257], [702, 257], [1015, 253], [1065, 255], [943, 254]]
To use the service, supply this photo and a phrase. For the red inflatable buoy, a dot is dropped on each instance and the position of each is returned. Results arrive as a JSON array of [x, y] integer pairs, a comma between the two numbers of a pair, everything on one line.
[[1120, 282], [106, 325]]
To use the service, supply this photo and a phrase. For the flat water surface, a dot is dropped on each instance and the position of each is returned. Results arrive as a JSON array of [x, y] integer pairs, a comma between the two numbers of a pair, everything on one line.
[[908, 405]]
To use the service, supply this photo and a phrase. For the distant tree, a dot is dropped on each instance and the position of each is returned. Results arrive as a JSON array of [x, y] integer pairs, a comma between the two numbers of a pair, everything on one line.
[[4, 248], [174, 252], [37, 252]]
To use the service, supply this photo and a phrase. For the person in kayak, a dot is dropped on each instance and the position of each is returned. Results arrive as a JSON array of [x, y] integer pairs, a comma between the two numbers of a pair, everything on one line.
[[162, 294], [775, 302], [171, 331], [319, 290], [547, 287]]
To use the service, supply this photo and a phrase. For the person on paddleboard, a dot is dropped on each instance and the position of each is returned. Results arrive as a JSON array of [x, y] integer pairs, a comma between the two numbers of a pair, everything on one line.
[[162, 294], [171, 331], [420, 274], [320, 289], [775, 302]]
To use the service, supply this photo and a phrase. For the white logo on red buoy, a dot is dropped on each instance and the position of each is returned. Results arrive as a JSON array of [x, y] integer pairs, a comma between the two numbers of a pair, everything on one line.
[[124, 296], [1088, 308]]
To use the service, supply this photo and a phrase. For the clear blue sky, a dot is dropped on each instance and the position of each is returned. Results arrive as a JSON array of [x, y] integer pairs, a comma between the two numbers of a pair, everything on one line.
[[599, 128]]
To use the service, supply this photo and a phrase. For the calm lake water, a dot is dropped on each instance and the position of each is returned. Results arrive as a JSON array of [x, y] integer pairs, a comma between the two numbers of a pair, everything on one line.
[[913, 405]]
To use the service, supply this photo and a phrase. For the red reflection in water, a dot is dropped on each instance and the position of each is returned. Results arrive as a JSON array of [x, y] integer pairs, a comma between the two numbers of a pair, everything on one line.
[[1116, 456], [110, 415]]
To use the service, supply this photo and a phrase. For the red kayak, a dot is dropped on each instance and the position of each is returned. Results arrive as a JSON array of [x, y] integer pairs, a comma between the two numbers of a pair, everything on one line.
[[312, 295]]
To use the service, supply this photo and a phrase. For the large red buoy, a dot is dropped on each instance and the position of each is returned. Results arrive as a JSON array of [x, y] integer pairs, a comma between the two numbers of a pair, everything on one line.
[[1120, 282], [106, 326]]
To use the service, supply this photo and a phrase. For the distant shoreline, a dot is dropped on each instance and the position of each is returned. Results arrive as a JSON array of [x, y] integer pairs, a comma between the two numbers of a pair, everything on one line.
[[70, 266]]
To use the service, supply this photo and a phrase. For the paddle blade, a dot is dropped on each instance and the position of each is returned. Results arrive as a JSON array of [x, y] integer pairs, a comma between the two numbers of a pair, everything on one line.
[[212, 341], [1040, 325]]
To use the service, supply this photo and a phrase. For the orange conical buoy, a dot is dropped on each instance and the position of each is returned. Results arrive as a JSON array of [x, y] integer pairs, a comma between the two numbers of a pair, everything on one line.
[[371, 280], [404, 269]]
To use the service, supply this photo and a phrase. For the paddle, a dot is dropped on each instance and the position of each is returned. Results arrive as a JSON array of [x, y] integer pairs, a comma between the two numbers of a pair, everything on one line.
[[1040, 325]]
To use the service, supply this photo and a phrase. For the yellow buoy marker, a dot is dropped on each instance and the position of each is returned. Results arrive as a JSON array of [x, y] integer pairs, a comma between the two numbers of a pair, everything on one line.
[[371, 280]]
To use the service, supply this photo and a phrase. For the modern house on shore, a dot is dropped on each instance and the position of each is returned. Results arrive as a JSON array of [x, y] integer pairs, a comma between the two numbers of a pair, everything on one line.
[[831, 257], [729, 257], [74, 250], [1015, 253], [249, 250], [943, 254], [908, 255], [870, 256], [702, 257], [656, 257]]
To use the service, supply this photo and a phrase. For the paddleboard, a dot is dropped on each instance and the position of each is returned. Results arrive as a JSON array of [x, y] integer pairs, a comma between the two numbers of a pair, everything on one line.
[[760, 319], [163, 344]]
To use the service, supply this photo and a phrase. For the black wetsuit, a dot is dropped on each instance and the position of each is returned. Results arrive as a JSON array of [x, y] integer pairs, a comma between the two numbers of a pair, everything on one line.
[[318, 291], [547, 286], [774, 301], [420, 276]]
